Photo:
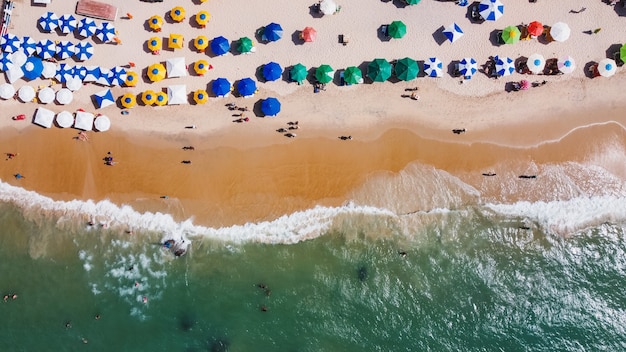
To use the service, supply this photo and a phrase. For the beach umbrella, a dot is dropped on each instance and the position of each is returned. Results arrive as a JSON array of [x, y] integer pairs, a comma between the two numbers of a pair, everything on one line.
[[64, 71], [131, 79], [67, 23], [148, 97], [175, 41], [73, 84], [328, 7], [433, 67], [154, 44], [324, 74], [511, 35], [32, 68], [26, 94], [244, 45], [246, 87], [177, 94], [201, 67], [272, 71], [7, 91], [176, 67], [468, 67], [128, 100], [270, 106], [83, 120], [10, 43], [65, 49], [491, 10], [45, 95], [560, 31], [64, 119], [156, 72], [160, 99], [298, 73], [18, 58], [309, 34], [117, 76], [79, 71], [14, 73], [504, 65], [379, 70], [607, 67], [28, 45], [104, 77], [201, 42], [535, 28], [49, 69], [202, 18], [102, 123], [83, 51], [93, 74], [86, 27], [221, 87], [397, 29], [220, 45], [177, 14], [200, 96], [453, 32], [155, 23], [406, 69], [48, 22], [411, 2], [524, 84], [64, 96], [273, 32], [46, 49], [105, 32], [353, 75], [622, 53], [44, 117], [5, 62], [536, 63], [104, 98]]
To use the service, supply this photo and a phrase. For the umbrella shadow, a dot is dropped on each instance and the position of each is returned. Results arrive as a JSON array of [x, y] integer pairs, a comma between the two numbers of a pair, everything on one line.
[[363, 67], [620, 8], [439, 37], [256, 108], [613, 51], [521, 64], [590, 69], [314, 11], [495, 38], [167, 18], [420, 64], [400, 4], [296, 37], [472, 13], [310, 77], [453, 69], [286, 76], [258, 74], [259, 36], [381, 33]]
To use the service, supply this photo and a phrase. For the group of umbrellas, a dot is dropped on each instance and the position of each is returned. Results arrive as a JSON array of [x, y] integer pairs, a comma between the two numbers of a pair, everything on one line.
[[46, 49], [86, 27], [81, 120], [178, 14], [559, 32]]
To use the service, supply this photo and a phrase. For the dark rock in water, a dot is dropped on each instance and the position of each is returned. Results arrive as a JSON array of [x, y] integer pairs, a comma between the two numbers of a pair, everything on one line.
[[362, 273], [218, 345], [187, 322]]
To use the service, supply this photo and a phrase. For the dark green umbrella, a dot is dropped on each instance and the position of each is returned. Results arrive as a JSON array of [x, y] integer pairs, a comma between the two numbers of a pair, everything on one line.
[[411, 2], [298, 73], [406, 69], [244, 45], [353, 75], [379, 70], [324, 74], [397, 29]]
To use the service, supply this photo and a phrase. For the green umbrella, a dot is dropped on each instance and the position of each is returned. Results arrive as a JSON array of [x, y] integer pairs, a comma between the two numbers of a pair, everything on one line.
[[324, 74], [406, 69], [245, 45], [379, 70], [353, 75], [411, 2], [397, 29], [298, 73], [511, 35], [622, 53]]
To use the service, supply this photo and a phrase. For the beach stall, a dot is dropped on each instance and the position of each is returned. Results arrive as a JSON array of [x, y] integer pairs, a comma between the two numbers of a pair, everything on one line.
[[83, 121], [433, 67], [201, 67], [329, 7], [148, 97], [270, 106], [220, 45], [511, 35], [156, 72], [64, 119], [504, 65], [7, 91], [26, 94], [128, 100], [536, 63], [105, 32], [246, 87], [177, 94], [154, 44], [202, 18], [83, 51], [453, 32], [67, 23], [131, 79], [559, 32], [468, 67], [396, 29], [155, 23], [45, 95], [491, 10], [176, 67], [177, 14], [606, 67], [245, 45], [298, 73], [379, 70], [10, 43], [161, 99], [221, 87], [200, 96], [353, 75], [308, 34], [48, 22], [44, 117], [86, 27], [200, 43], [46, 49], [175, 41], [32, 68], [102, 123], [272, 32], [324, 74], [103, 99], [272, 71], [64, 96], [28, 46], [406, 69]]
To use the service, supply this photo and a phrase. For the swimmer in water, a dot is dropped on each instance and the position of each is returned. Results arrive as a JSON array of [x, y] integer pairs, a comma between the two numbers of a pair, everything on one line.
[[145, 299]]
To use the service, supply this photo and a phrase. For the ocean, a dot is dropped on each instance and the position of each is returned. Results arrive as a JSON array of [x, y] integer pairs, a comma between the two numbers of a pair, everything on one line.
[[464, 273]]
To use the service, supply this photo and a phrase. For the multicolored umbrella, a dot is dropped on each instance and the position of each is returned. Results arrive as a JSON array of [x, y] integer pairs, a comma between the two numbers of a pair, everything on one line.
[[156, 72], [177, 14], [246, 87], [272, 71], [93, 74], [270, 106], [221, 87], [353, 75], [46, 49], [117, 76], [560, 31], [504, 65], [48, 22], [5, 62], [161, 99], [433, 67], [86, 27], [272, 32], [468, 67], [379, 70], [511, 35], [105, 32], [32, 68], [535, 28], [324, 74], [536, 63], [154, 44], [491, 10], [200, 43], [202, 18], [220, 45], [309, 34], [67, 23], [607, 67], [155, 23], [201, 67], [10, 43], [244, 45], [453, 32], [406, 69], [83, 51], [298, 73], [200, 96], [28, 46], [175, 41], [148, 97], [65, 49], [131, 79], [566, 64], [328, 7], [397, 29], [104, 98], [64, 72]]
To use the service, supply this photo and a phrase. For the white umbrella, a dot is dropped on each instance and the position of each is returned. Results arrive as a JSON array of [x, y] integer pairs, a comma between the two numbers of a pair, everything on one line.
[[49, 69], [14, 74], [328, 7], [18, 58], [83, 121], [64, 96], [46, 95], [433, 67], [26, 93], [566, 64], [177, 94], [102, 123], [491, 10], [453, 32], [560, 31], [536, 63], [176, 67], [504, 65], [6, 91], [44, 117], [73, 84], [607, 67], [65, 119]]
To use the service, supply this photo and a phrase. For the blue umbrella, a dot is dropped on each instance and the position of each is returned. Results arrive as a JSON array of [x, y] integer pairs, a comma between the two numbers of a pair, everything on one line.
[[5, 62], [65, 49], [220, 45], [246, 87], [29, 46], [49, 22], [104, 98], [67, 23], [86, 27], [10, 43], [453, 32], [272, 71], [468, 67], [64, 71], [105, 32], [433, 67], [270, 106], [272, 32], [504, 65], [79, 72], [32, 68], [117, 76], [93, 74], [491, 10], [83, 51], [46, 49], [221, 87]]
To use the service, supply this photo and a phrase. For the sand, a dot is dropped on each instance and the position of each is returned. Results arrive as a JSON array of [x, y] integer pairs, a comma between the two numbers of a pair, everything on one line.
[[249, 172]]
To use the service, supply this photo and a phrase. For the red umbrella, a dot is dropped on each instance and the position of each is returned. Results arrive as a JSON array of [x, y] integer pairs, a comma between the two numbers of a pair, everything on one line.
[[524, 84], [535, 28], [309, 34]]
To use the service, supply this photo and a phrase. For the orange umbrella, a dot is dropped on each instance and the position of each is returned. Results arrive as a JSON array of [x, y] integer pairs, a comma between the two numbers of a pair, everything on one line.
[[309, 34], [535, 28]]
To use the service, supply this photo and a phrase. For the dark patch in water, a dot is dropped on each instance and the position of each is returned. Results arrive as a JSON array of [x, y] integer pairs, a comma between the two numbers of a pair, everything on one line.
[[362, 273], [187, 322], [218, 345]]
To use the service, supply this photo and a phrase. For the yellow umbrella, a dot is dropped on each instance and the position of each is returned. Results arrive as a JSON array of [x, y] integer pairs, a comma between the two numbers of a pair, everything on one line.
[[154, 44], [148, 97], [201, 67], [176, 41], [155, 22], [201, 42], [128, 100], [203, 1], [160, 98], [200, 96], [156, 72], [202, 18], [177, 13], [131, 78]]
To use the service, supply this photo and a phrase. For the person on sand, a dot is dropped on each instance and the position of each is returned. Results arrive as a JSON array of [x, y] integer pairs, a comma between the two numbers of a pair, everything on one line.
[[19, 176], [415, 96]]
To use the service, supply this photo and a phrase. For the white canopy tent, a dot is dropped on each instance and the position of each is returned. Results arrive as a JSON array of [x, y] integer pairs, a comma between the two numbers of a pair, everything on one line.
[[177, 94], [83, 121], [176, 67], [44, 117]]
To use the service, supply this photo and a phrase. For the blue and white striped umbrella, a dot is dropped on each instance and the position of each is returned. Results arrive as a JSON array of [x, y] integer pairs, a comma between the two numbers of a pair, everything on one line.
[[46, 49], [79, 71], [105, 32], [5, 62], [117, 76], [65, 49], [10, 43], [83, 51], [104, 77], [453, 32], [32, 68], [86, 27], [93, 74], [468, 67], [29, 46], [504, 65], [491, 10], [67, 23], [64, 72], [49, 22], [433, 67]]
